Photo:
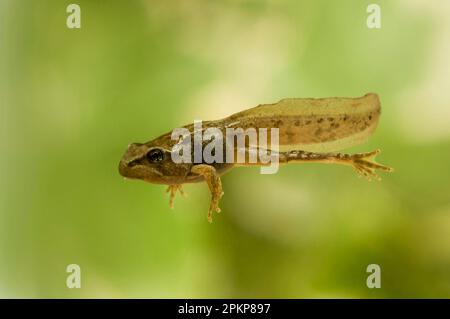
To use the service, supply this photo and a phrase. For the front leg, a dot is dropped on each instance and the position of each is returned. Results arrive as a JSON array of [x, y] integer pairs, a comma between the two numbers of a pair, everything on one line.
[[214, 184], [173, 190]]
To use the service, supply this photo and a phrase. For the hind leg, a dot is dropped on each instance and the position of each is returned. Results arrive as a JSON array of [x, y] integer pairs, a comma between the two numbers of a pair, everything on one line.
[[363, 163]]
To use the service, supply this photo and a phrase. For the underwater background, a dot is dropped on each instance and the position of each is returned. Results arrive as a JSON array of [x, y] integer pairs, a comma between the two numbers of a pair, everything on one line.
[[73, 99]]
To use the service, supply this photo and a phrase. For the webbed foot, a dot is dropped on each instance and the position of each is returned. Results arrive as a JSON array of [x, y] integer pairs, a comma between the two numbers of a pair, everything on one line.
[[365, 165]]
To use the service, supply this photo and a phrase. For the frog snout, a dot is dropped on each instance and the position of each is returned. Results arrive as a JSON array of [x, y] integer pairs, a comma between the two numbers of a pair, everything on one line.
[[123, 168]]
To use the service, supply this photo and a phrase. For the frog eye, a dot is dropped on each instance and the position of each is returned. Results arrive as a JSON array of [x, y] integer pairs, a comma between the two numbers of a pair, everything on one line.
[[155, 155]]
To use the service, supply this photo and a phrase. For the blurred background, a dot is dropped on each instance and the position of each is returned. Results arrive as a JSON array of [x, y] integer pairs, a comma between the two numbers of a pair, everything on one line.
[[73, 99]]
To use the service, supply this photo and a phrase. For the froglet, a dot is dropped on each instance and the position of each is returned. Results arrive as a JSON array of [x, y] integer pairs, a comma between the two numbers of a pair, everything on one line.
[[309, 130]]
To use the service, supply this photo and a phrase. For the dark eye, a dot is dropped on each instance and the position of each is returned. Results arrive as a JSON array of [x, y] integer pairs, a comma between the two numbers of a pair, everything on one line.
[[155, 155]]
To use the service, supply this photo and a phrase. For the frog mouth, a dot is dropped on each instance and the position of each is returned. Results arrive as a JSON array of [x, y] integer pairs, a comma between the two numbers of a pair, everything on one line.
[[132, 169]]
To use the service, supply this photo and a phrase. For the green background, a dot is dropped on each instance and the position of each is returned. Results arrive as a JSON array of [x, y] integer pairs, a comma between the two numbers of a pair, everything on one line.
[[73, 99]]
